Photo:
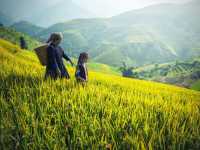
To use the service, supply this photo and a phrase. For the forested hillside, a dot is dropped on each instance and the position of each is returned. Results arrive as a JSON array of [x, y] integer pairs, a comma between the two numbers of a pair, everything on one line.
[[155, 34]]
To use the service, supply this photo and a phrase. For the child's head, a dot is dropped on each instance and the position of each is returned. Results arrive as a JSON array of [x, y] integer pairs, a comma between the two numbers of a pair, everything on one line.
[[83, 57]]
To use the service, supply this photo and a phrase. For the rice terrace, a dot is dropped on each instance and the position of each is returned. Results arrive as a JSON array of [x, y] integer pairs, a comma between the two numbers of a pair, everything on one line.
[[133, 87]]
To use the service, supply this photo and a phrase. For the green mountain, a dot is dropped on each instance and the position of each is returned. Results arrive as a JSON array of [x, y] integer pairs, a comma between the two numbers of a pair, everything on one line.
[[27, 27], [5, 20], [43, 13], [23, 9], [155, 34], [13, 36], [60, 12]]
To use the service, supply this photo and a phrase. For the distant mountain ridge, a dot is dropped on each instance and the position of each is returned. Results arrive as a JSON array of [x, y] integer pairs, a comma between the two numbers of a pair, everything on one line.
[[60, 12], [42, 13], [22, 9], [27, 27], [154, 34]]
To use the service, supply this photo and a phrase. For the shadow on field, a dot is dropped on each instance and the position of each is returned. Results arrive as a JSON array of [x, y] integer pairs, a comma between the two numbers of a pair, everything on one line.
[[13, 81]]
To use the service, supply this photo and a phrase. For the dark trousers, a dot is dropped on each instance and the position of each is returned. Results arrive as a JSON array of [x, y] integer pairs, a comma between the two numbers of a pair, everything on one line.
[[52, 73]]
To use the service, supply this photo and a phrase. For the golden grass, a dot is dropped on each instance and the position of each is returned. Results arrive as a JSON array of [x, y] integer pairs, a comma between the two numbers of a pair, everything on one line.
[[109, 112]]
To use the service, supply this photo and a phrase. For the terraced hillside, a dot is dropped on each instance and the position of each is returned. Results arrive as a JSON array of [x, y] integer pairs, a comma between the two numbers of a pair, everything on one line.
[[110, 112], [185, 73]]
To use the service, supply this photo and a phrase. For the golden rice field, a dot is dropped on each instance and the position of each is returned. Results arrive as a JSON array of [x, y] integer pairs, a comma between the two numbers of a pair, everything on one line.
[[110, 112]]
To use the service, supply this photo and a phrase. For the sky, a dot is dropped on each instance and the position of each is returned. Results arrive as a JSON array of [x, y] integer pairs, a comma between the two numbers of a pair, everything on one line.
[[107, 8], [99, 8]]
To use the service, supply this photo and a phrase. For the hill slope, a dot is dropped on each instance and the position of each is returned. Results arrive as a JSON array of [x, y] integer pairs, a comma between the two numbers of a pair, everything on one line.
[[185, 73], [158, 34], [109, 112], [14, 36], [27, 28]]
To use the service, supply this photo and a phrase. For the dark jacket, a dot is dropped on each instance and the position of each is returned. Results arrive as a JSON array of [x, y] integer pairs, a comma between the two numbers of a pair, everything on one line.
[[55, 65], [81, 72]]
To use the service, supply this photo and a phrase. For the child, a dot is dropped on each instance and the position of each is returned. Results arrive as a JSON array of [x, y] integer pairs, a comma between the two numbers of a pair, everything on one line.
[[81, 69]]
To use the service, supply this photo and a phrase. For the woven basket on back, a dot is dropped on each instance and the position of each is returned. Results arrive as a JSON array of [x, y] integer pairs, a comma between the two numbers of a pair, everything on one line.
[[42, 54]]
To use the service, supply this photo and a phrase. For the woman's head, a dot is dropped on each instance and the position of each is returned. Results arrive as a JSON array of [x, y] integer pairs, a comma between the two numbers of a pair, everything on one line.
[[55, 38], [83, 57]]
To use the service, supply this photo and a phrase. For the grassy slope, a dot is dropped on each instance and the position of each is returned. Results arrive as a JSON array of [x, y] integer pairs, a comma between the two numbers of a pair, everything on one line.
[[103, 68], [183, 73], [196, 86], [97, 67], [13, 36], [109, 111]]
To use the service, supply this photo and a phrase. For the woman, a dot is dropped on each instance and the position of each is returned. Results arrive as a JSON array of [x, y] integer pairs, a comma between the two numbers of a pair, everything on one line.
[[81, 69], [55, 54]]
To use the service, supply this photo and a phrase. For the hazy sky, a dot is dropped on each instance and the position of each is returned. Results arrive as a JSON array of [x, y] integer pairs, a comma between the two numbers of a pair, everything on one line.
[[113, 7], [107, 7], [101, 8]]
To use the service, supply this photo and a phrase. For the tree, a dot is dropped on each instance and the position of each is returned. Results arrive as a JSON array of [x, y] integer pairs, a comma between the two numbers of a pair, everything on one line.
[[128, 71]]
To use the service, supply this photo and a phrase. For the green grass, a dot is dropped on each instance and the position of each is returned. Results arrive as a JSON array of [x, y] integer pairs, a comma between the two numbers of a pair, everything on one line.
[[110, 111], [196, 86], [177, 72], [14, 36], [103, 68], [98, 67]]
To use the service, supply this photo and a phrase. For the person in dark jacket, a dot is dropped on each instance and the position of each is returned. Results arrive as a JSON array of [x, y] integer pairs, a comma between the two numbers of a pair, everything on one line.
[[23, 44], [55, 54], [81, 69]]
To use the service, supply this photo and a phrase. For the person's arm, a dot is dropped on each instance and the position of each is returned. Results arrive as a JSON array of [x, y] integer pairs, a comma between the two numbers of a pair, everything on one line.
[[66, 57]]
